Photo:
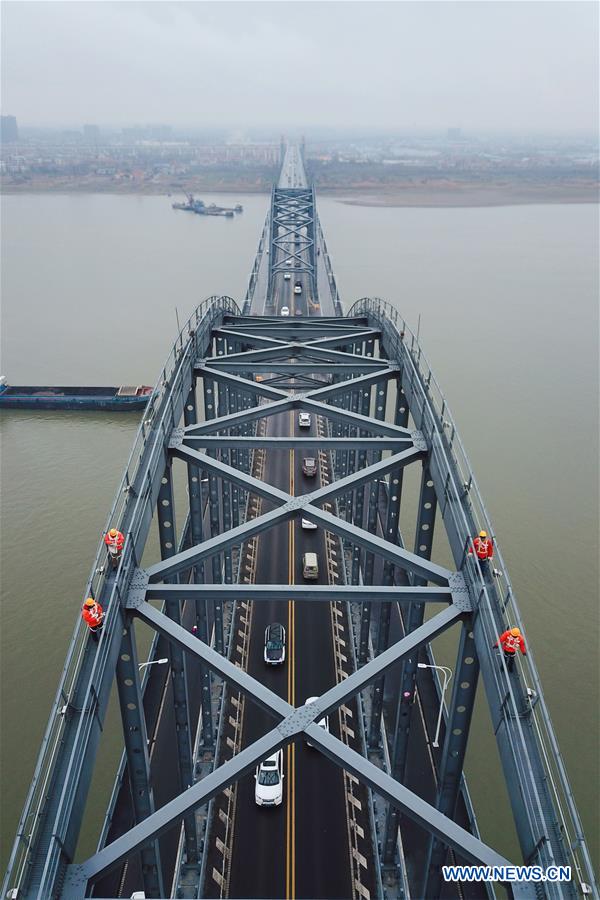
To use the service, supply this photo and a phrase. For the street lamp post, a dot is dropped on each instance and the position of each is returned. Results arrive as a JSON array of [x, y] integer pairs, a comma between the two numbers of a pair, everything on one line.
[[153, 662], [447, 673]]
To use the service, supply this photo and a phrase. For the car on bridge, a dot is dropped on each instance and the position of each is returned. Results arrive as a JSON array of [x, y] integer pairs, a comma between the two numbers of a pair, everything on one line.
[[307, 525], [274, 654], [285, 310], [286, 276], [304, 420], [309, 466], [268, 790], [310, 566], [297, 288], [322, 723]]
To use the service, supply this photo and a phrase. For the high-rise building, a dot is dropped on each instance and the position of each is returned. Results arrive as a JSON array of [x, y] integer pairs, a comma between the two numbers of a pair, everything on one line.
[[9, 132], [91, 134]]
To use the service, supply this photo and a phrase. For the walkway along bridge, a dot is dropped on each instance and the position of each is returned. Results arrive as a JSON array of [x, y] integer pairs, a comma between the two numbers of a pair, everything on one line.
[[221, 441]]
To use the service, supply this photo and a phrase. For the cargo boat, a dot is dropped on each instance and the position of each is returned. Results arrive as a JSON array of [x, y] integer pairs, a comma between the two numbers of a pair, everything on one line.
[[115, 399]]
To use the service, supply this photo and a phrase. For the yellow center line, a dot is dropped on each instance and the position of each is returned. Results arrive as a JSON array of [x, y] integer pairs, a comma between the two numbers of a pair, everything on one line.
[[290, 862]]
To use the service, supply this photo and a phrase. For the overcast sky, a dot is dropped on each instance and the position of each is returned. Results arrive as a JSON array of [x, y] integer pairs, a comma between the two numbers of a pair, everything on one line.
[[525, 66]]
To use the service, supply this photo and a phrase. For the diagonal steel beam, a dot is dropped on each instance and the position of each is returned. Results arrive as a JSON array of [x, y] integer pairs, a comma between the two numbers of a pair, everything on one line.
[[241, 418], [305, 401], [172, 812], [217, 467], [361, 381], [367, 474], [421, 812], [374, 544], [242, 384], [346, 338], [259, 339], [206, 549]]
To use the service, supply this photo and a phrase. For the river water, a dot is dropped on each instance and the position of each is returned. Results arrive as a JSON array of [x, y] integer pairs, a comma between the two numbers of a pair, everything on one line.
[[508, 300]]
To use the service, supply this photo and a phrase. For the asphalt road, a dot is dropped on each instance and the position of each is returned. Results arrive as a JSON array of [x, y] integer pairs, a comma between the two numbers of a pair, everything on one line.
[[301, 848]]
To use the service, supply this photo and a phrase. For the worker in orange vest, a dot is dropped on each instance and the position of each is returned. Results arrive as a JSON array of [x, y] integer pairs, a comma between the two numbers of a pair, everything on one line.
[[511, 641], [483, 546], [114, 541], [93, 616]]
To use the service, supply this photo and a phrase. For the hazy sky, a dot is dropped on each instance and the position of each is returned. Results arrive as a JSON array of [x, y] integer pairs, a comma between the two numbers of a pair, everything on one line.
[[480, 65]]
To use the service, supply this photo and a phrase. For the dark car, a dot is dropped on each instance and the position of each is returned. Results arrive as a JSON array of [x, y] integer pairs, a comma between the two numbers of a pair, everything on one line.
[[309, 466], [274, 644]]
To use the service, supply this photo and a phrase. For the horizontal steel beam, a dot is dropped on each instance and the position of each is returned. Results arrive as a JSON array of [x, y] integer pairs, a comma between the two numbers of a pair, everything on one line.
[[247, 336], [334, 368], [304, 592], [348, 443]]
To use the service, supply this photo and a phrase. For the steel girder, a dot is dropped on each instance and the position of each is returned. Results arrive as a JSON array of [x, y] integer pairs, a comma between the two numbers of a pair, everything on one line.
[[295, 724]]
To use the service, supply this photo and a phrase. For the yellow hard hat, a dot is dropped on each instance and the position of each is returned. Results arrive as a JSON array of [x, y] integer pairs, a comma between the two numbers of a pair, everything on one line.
[[113, 532], [515, 632], [483, 534], [90, 602]]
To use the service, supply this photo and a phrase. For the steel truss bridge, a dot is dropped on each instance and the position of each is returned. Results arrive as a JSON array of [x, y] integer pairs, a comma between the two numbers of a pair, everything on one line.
[[372, 807]]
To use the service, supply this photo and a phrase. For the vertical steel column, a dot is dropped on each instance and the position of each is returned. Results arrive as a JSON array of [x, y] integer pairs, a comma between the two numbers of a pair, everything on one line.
[[168, 547], [136, 750], [365, 406], [190, 417], [375, 456], [210, 412], [466, 674], [414, 618], [392, 534]]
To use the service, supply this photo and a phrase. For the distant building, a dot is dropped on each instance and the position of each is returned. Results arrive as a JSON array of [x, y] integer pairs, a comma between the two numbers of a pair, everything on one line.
[[454, 134], [9, 132], [91, 134]]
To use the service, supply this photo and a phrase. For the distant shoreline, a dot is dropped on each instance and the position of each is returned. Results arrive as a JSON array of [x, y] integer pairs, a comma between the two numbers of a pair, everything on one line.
[[426, 197]]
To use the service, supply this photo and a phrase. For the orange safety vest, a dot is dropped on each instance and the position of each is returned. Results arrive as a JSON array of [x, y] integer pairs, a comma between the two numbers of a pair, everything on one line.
[[510, 643], [483, 547], [92, 616], [117, 541]]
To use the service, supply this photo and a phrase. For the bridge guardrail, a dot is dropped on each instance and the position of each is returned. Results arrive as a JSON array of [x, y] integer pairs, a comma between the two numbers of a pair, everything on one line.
[[445, 443], [125, 498], [335, 296], [264, 239]]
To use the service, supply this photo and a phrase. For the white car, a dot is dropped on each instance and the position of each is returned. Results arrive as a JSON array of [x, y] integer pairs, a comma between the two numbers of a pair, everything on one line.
[[308, 526], [269, 776], [286, 276], [304, 420], [322, 723], [297, 289], [285, 310]]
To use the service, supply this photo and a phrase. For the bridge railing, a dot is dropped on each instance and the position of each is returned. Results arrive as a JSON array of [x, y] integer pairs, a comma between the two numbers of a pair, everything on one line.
[[120, 513], [444, 440], [264, 240], [335, 296]]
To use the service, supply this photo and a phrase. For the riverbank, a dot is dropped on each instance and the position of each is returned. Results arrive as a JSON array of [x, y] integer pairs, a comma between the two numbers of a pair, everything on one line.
[[429, 195]]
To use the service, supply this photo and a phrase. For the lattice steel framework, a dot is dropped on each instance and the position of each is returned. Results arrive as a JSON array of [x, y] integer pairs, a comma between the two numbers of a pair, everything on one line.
[[366, 358], [292, 247]]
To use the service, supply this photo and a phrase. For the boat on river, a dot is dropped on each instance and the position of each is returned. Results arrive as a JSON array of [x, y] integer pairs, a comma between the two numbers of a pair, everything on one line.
[[126, 398]]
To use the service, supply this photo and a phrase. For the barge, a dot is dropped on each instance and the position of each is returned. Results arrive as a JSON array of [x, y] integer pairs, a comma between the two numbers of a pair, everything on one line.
[[126, 398]]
